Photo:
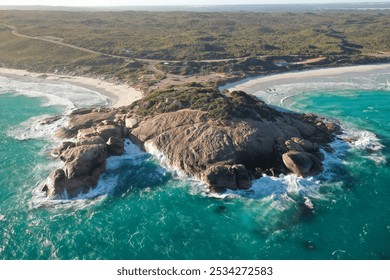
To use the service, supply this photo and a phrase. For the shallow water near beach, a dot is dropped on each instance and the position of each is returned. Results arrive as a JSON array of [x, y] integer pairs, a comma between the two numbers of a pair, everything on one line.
[[141, 210]]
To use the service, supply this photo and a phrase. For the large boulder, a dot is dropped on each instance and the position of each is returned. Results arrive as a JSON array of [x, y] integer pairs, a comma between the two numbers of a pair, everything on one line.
[[306, 145], [86, 133], [115, 146], [131, 122], [58, 185], [222, 177], [109, 130], [83, 160], [83, 166], [81, 119], [64, 146], [91, 140], [302, 163]]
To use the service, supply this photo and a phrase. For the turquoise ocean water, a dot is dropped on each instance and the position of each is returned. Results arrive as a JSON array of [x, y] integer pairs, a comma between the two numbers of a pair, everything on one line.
[[142, 211]]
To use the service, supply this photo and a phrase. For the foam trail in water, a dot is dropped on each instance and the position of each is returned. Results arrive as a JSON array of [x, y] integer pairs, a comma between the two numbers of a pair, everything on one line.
[[109, 179], [37, 128], [276, 93], [365, 141], [287, 189], [54, 94]]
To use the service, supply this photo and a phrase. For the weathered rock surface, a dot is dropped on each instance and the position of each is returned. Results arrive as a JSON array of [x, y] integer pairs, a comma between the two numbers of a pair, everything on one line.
[[83, 118], [302, 163], [84, 160], [83, 166], [109, 130], [212, 149], [90, 140], [221, 177], [225, 147]]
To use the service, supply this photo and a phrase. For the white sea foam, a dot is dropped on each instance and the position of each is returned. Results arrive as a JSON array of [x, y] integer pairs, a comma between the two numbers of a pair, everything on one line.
[[54, 93], [163, 160], [276, 187], [35, 128], [279, 93], [107, 183], [366, 141]]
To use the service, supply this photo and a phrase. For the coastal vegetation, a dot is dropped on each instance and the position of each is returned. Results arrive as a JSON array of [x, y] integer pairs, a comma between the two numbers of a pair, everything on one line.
[[195, 96], [196, 36], [143, 48]]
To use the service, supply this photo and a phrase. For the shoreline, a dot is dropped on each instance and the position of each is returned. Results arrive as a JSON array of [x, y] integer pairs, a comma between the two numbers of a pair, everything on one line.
[[290, 77], [118, 94], [122, 95]]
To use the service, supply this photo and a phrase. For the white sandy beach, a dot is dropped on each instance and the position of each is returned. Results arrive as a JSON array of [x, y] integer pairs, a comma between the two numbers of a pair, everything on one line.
[[266, 82], [119, 94]]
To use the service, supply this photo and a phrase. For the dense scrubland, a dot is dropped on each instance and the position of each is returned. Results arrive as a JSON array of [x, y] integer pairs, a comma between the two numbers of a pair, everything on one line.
[[143, 47]]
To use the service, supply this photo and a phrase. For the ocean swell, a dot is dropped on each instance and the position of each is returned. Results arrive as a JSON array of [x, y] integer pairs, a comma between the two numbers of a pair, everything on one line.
[[55, 93], [66, 96]]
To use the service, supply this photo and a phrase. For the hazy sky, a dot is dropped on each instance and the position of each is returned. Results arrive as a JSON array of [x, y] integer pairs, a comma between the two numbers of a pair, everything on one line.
[[164, 2]]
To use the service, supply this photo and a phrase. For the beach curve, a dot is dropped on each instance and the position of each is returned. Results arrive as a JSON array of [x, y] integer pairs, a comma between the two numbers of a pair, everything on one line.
[[118, 94]]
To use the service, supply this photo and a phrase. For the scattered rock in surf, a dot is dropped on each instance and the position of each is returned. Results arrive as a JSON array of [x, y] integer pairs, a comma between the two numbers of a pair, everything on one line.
[[50, 120], [227, 177], [309, 245], [302, 163]]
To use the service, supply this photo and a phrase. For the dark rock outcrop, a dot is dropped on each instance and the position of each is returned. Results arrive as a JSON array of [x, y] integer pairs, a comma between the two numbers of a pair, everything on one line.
[[83, 160], [302, 163], [115, 146], [221, 177]]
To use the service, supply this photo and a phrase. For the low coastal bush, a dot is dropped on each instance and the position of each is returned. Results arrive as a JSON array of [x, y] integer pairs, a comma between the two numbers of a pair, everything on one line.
[[220, 106]]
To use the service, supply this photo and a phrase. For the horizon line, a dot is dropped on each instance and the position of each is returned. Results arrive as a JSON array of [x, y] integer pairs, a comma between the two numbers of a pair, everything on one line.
[[198, 5]]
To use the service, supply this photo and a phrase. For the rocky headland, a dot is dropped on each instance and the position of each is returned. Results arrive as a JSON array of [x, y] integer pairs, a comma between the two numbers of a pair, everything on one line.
[[224, 139]]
